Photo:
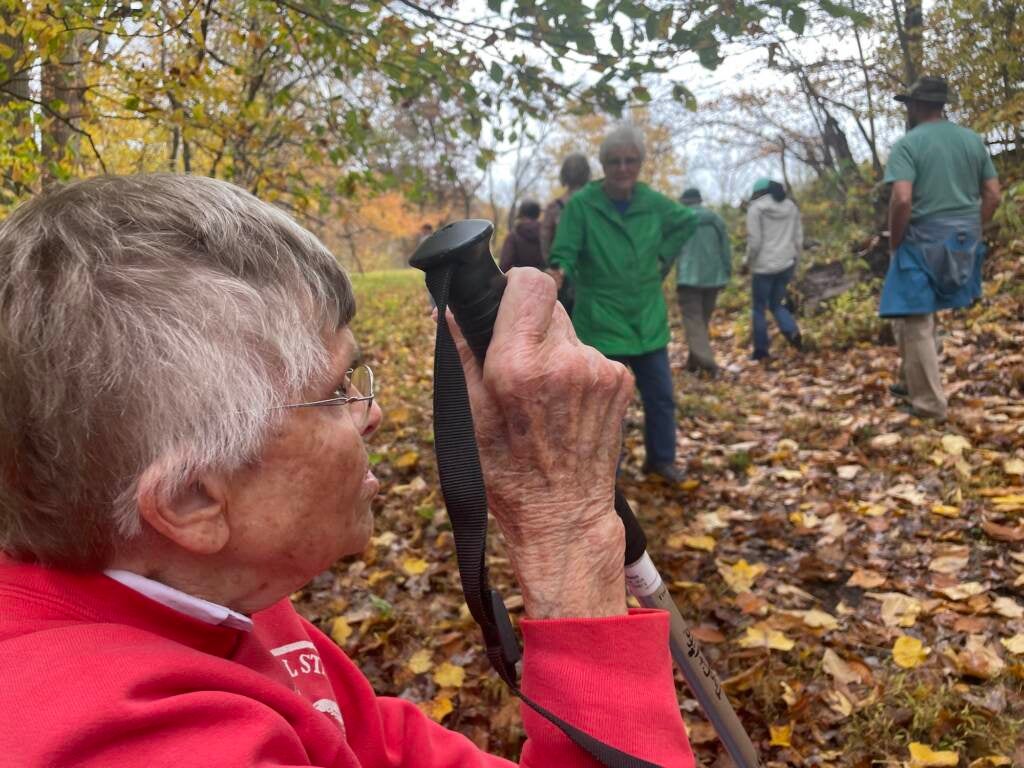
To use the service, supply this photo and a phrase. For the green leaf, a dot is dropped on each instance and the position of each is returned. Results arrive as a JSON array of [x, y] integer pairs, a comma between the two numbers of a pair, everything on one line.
[[683, 94], [617, 42], [641, 94], [798, 20], [651, 26], [131, 103], [497, 73], [494, 5]]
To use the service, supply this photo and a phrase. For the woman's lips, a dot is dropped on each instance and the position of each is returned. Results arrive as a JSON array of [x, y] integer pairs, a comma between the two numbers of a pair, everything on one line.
[[370, 483]]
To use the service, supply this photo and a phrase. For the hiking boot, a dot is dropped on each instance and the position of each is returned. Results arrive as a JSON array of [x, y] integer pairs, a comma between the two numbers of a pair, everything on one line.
[[797, 341], [670, 473], [899, 390], [928, 417]]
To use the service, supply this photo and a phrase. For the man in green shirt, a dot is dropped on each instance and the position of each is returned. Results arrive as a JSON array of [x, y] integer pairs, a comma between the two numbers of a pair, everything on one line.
[[703, 267], [617, 240], [944, 188]]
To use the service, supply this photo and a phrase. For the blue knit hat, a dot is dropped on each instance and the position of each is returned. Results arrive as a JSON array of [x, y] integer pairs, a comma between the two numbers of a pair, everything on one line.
[[760, 185]]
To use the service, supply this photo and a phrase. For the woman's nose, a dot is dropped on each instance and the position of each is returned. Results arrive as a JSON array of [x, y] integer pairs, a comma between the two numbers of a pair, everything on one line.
[[374, 420]]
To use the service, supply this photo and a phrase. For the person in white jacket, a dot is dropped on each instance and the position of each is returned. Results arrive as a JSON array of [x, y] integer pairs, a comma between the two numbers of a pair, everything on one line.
[[775, 238]]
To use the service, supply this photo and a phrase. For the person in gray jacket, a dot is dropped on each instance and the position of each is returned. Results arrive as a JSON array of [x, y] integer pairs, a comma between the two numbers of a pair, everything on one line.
[[775, 238]]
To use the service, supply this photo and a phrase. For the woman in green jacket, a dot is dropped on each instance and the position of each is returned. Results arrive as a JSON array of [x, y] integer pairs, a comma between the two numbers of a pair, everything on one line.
[[617, 239]]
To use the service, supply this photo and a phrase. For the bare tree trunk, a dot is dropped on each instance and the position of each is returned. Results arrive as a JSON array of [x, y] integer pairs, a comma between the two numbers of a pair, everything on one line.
[[63, 92], [15, 89], [909, 29], [872, 141]]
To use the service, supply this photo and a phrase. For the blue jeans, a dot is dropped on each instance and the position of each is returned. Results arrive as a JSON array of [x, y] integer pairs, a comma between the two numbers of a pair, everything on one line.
[[654, 380], [767, 292]]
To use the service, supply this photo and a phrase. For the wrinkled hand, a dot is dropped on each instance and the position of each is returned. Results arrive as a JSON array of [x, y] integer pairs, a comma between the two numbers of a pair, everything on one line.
[[548, 413]]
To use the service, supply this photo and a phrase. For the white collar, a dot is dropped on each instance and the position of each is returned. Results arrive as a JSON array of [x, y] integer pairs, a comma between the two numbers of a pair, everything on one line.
[[180, 601]]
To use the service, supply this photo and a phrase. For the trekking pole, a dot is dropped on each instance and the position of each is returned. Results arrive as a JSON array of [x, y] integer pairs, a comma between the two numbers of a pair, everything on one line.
[[475, 293]]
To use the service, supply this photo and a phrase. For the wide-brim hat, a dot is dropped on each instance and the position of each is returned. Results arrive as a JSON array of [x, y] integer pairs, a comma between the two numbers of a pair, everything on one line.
[[933, 90]]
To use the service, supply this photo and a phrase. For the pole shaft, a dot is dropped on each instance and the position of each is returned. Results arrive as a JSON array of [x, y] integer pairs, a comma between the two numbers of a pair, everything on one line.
[[647, 586]]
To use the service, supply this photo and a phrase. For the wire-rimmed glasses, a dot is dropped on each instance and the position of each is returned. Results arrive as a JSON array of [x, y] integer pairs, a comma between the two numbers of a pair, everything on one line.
[[356, 391]]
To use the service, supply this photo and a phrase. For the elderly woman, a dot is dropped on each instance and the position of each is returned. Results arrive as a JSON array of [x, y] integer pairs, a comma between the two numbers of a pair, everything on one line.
[[183, 417], [617, 240]]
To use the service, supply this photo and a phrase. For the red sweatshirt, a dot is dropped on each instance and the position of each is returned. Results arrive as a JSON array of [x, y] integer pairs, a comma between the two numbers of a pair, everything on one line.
[[96, 675]]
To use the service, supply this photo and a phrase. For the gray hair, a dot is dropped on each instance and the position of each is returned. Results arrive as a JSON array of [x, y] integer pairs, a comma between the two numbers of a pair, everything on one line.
[[624, 135], [145, 320], [575, 171]]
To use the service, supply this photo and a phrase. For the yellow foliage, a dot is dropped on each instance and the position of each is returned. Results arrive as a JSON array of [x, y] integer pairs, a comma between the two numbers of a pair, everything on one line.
[[923, 756], [909, 652], [340, 631], [449, 675], [414, 566], [781, 734], [420, 662]]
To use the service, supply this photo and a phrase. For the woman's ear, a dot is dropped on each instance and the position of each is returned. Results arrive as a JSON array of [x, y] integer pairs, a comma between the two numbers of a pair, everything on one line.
[[194, 518]]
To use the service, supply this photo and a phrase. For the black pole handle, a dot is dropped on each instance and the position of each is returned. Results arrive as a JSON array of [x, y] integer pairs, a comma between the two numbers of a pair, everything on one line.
[[477, 284], [476, 291]]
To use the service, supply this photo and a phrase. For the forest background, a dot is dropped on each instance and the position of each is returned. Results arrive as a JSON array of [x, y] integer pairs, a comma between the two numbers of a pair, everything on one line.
[[853, 574]]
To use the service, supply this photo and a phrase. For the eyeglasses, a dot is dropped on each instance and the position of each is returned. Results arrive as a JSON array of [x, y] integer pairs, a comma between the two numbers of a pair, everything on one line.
[[356, 391], [621, 162]]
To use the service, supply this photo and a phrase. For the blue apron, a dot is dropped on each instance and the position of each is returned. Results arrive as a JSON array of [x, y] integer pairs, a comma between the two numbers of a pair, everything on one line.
[[937, 266]]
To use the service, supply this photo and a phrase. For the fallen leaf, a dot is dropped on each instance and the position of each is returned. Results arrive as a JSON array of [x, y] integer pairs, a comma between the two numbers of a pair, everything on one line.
[[990, 761], [923, 756], [340, 631], [788, 474], [885, 441], [955, 445], [948, 564], [848, 471], [1008, 607], [438, 708], [751, 604], [1014, 467], [407, 460], [420, 662], [871, 510], [1015, 644], [909, 652], [1010, 503], [707, 634], [414, 566], [977, 659], [865, 579], [963, 591], [701, 732], [908, 493], [703, 543], [449, 675], [1003, 532], [741, 576], [944, 510], [781, 735], [898, 610], [771, 639], [842, 672], [839, 703], [820, 620]]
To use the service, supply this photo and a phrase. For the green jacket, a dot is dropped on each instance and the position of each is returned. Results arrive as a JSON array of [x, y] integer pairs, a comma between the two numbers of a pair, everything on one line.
[[705, 260], [618, 263]]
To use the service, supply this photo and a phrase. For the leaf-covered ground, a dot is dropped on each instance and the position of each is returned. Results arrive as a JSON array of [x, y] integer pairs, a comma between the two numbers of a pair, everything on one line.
[[854, 574]]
